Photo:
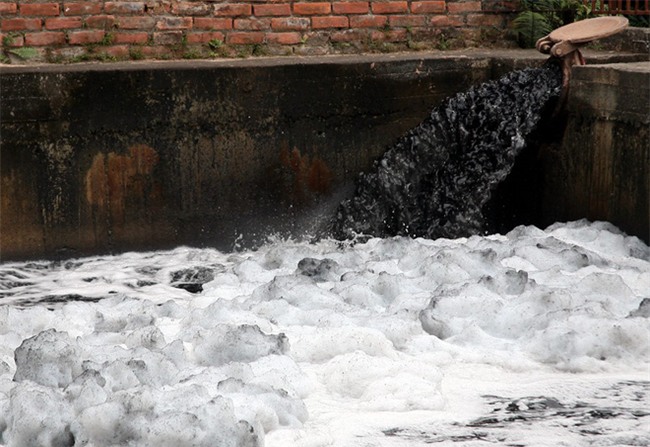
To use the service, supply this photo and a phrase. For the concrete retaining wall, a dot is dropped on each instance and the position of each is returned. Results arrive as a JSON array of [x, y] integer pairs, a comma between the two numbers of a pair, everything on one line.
[[106, 158], [601, 171]]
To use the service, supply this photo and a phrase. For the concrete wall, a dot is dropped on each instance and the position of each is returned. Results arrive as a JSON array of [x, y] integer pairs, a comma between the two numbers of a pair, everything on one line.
[[601, 171], [99, 158], [104, 158]]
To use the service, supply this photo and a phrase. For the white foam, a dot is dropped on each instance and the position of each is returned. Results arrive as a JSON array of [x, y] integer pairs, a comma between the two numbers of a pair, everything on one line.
[[389, 342]]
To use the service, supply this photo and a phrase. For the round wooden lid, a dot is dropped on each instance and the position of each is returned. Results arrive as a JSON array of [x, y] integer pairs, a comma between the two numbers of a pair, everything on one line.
[[589, 29]]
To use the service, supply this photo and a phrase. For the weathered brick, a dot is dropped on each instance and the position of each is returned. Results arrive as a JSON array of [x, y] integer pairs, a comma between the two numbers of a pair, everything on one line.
[[171, 23], [117, 51], [245, 38], [168, 38], [368, 21], [329, 22], [309, 9], [39, 9], [154, 51], [394, 35], [191, 9], [389, 7], [100, 21], [252, 24], [124, 7], [484, 20], [349, 35], [85, 36], [288, 38], [407, 20], [350, 7], [290, 23], [12, 40], [204, 37], [212, 23], [81, 8], [8, 8], [44, 38], [436, 7], [456, 7], [447, 21], [233, 9], [131, 38], [283, 9], [63, 22], [136, 22], [20, 24]]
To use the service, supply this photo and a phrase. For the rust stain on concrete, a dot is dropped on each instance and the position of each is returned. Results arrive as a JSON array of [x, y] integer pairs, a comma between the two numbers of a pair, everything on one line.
[[309, 175], [116, 183]]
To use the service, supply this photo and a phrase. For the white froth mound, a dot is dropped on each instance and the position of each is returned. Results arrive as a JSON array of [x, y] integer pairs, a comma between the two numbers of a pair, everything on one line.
[[372, 328]]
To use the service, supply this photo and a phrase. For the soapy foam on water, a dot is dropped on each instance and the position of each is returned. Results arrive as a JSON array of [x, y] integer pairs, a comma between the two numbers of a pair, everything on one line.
[[394, 341]]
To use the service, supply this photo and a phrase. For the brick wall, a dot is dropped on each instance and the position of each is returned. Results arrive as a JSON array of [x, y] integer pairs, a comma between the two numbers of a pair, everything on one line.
[[76, 30]]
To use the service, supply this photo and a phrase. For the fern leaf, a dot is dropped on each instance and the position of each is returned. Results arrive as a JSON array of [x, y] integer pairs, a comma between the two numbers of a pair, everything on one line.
[[530, 26]]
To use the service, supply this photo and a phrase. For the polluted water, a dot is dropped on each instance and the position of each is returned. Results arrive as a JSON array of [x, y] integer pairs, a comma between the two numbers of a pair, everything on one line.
[[409, 336]]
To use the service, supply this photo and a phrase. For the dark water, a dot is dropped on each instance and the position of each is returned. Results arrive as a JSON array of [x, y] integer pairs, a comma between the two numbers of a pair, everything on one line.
[[436, 180]]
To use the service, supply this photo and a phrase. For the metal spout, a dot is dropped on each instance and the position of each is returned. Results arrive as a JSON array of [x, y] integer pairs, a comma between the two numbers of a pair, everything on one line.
[[564, 43]]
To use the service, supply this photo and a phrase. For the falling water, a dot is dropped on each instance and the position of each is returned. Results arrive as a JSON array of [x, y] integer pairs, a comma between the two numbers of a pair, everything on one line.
[[435, 181]]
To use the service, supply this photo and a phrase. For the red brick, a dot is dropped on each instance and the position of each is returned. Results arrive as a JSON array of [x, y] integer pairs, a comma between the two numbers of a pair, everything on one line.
[[137, 37], [309, 9], [272, 10], [455, 7], [10, 40], [19, 24], [145, 22], [349, 35], [427, 7], [233, 9], [116, 51], [170, 23], [407, 20], [153, 51], [244, 38], [484, 20], [389, 7], [8, 8], [191, 9], [45, 38], [447, 21], [350, 7], [39, 9], [211, 24], [289, 38], [168, 38], [368, 21], [63, 23], [329, 22], [394, 35], [290, 23], [100, 21], [83, 37], [204, 37], [81, 8], [252, 24], [124, 7]]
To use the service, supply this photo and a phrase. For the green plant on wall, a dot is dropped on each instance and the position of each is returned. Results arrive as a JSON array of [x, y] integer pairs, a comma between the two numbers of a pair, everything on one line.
[[539, 17]]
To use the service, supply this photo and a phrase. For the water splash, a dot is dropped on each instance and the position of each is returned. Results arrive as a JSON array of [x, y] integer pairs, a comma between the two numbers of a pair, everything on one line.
[[435, 181]]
